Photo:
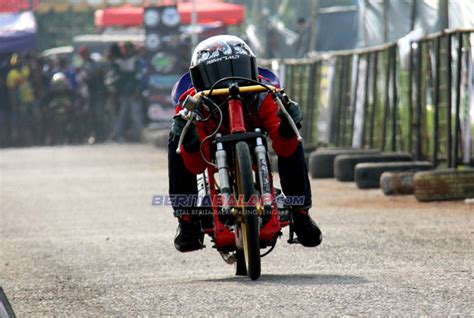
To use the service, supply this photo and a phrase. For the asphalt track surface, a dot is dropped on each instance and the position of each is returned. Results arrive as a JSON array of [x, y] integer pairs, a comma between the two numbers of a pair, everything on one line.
[[80, 237]]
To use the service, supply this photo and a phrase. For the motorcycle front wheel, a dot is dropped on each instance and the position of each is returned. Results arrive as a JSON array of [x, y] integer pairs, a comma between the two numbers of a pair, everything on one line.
[[249, 225]]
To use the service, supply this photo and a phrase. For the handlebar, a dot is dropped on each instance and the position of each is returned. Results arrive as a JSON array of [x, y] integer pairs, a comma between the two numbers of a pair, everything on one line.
[[243, 89], [195, 100]]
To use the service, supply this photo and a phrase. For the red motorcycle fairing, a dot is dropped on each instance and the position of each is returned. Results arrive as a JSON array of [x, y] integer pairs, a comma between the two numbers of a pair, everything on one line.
[[236, 117]]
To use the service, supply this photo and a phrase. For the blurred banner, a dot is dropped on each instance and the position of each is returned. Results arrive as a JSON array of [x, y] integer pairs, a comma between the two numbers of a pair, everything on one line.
[[78, 5], [17, 31], [162, 43], [208, 11], [66, 5]]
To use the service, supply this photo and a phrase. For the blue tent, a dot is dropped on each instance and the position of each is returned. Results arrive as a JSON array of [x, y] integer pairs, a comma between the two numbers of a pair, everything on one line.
[[17, 32]]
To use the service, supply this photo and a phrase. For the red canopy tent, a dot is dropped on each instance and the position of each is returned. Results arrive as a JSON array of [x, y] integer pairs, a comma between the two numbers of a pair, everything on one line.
[[207, 12], [18, 5]]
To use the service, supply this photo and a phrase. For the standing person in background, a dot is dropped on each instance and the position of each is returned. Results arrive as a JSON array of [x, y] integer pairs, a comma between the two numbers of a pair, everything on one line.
[[92, 75], [112, 77], [272, 42], [39, 79], [5, 108], [112, 80], [22, 98], [63, 66], [39, 82], [304, 38], [142, 75], [129, 95]]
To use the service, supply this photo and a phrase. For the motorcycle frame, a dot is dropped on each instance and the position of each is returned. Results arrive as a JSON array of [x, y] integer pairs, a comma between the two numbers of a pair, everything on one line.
[[224, 237]]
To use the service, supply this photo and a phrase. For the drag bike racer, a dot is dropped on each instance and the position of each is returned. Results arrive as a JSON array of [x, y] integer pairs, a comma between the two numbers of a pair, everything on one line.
[[213, 59]]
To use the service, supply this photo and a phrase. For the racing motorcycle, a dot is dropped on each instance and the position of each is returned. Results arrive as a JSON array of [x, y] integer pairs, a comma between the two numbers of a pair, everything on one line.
[[61, 112], [60, 118], [247, 212]]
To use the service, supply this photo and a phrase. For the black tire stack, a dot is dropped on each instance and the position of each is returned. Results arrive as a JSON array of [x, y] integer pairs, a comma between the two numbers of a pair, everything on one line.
[[308, 150], [344, 165], [394, 173], [367, 175], [321, 161], [397, 183]]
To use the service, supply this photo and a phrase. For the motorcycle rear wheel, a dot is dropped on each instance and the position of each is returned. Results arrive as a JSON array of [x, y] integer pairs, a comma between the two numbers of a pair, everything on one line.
[[250, 225]]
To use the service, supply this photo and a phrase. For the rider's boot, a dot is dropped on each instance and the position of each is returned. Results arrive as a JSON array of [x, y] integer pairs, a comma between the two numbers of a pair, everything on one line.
[[306, 229], [188, 235]]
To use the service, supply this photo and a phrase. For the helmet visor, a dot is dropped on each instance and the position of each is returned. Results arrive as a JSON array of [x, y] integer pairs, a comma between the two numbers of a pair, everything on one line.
[[204, 75]]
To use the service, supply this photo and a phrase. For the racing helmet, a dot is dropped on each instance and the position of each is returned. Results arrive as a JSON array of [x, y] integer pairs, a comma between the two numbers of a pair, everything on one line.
[[221, 56], [59, 81]]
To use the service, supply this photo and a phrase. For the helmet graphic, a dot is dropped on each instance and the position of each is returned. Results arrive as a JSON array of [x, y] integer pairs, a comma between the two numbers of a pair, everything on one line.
[[219, 57]]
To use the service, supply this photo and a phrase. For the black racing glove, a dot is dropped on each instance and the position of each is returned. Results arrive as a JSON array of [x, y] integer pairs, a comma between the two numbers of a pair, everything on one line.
[[294, 110], [191, 140]]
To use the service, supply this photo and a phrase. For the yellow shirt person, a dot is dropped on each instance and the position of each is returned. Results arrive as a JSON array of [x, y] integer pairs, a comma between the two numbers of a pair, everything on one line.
[[18, 79]]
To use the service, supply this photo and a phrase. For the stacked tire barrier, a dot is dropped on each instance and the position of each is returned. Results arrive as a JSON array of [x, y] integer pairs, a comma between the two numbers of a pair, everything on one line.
[[367, 175], [273, 158], [442, 185], [397, 183], [344, 165], [394, 173], [437, 185], [321, 161]]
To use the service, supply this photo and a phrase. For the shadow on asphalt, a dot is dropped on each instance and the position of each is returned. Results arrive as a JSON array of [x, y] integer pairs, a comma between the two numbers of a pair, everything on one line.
[[295, 279]]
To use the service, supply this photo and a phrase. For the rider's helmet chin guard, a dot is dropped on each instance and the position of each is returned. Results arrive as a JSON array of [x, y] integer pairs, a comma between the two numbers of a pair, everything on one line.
[[221, 56]]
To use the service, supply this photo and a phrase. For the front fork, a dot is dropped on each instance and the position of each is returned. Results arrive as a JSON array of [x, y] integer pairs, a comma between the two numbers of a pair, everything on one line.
[[266, 203], [223, 170], [263, 175]]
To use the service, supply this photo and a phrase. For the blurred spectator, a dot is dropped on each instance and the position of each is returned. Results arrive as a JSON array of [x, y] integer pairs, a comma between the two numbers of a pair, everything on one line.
[[112, 79], [142, 75], [130, 98], [5, 109], [304, 39], [92, 77], [39, 82], [45, 100], [39, 79], [24, 112], [112, 75], [271, 42], [63, 67]]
